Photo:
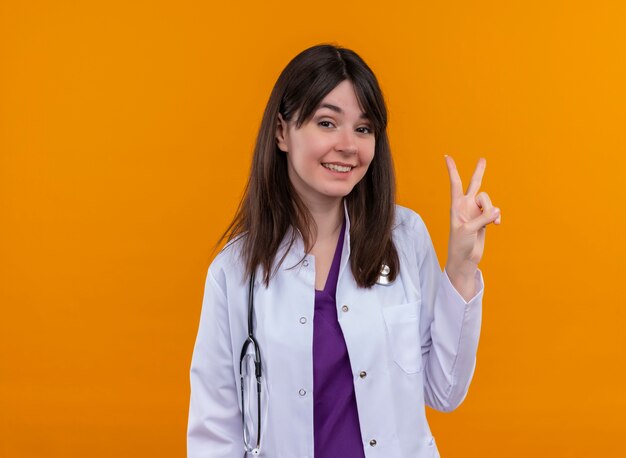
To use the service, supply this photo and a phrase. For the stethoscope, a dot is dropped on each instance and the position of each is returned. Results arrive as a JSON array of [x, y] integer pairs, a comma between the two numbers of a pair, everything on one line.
[[251, 340]]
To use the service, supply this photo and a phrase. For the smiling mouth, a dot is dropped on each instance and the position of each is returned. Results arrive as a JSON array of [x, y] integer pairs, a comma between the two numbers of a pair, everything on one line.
[[338, 168]]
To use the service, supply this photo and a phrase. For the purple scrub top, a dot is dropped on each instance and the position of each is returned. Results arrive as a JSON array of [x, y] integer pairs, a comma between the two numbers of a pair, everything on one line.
[[335, 417]]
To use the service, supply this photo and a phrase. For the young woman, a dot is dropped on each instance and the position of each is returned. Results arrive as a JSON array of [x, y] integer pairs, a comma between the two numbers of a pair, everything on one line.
[[327, 324]]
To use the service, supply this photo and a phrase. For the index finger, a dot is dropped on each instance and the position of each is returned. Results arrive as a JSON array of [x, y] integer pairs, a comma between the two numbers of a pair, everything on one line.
[[456, 186], [477, 177]]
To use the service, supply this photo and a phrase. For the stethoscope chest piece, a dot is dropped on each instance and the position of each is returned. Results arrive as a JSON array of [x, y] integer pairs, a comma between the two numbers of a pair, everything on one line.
[[383, 279]]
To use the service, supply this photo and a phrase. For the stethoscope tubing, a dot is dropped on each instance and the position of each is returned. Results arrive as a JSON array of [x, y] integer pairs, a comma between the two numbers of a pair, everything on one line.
[[257, 373]]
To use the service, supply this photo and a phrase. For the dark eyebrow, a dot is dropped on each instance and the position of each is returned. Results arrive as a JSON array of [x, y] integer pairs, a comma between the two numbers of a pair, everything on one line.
[[336, 109]]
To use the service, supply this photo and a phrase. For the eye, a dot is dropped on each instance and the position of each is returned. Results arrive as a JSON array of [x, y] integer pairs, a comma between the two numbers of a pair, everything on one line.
[[326, 124], [364, 130]]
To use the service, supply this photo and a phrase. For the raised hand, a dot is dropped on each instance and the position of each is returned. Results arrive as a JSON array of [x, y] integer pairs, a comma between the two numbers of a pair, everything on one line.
[[470, 213]]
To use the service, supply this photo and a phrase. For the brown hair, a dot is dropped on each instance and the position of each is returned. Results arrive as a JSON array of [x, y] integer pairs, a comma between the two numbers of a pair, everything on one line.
[[270, 205]]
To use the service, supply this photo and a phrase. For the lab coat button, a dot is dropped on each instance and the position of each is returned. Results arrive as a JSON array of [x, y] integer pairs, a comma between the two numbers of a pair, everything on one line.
[[302, 320], [305, 263], [373, 442], [362, 374], [345, 308], [302, 392]]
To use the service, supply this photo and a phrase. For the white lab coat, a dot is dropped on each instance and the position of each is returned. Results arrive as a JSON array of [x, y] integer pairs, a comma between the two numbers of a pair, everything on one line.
[[416, 340]]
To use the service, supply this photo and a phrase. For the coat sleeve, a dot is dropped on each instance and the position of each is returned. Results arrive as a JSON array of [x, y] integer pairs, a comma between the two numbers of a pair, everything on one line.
[[214, 426], [449, 328]]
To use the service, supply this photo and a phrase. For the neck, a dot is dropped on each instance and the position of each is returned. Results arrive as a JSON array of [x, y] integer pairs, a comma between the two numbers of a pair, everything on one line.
[[328, 217]]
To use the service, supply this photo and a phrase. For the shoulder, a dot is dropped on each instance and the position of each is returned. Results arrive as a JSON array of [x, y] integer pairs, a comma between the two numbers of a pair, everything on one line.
[[410, 234], [407, 221], [228, 264]]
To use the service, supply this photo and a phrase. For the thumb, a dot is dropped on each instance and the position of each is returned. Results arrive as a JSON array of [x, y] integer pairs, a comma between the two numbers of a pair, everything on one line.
[[484, 219]]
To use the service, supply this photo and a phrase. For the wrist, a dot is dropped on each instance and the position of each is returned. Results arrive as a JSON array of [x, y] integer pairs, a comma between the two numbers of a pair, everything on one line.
[[462, 270], [462, 275]]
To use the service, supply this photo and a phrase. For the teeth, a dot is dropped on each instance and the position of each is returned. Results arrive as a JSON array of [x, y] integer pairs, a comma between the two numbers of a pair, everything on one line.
[[338, 168]]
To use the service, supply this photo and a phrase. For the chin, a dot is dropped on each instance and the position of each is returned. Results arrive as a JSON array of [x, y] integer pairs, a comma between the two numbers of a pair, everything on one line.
[[339, 193]]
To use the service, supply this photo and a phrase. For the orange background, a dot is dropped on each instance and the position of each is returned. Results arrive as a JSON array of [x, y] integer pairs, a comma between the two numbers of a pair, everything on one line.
[[125, 137]]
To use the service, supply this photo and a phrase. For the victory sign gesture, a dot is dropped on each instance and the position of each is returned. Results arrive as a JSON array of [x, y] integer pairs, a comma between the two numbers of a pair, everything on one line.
[[470, 213]]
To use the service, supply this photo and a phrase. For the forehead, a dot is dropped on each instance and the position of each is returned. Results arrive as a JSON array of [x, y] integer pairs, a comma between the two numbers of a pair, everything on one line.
[[342, 99]]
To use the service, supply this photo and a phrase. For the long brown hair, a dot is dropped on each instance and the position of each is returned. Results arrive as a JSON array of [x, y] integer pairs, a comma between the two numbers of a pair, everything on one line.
[[270, 206]]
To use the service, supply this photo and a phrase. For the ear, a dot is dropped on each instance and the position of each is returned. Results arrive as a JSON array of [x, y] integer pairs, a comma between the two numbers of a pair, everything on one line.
[[281, 133]]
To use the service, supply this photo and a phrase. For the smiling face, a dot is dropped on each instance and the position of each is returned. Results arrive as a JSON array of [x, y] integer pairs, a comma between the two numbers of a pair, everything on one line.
[[331, 151]]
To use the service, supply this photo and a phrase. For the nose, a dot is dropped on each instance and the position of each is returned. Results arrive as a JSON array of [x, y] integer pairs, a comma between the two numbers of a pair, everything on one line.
[[346, 142]]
